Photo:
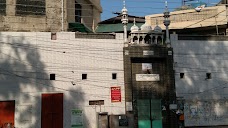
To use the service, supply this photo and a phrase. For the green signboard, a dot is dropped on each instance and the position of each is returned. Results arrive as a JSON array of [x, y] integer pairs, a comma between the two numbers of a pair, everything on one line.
[[76, 118]]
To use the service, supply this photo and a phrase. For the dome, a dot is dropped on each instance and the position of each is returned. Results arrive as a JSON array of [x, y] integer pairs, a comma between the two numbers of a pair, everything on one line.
[[157, 29], [146, 28], [134, 28]]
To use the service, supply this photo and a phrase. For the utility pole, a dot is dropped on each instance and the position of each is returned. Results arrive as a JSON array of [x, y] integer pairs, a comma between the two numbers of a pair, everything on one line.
[[124, 21], [216, 25]]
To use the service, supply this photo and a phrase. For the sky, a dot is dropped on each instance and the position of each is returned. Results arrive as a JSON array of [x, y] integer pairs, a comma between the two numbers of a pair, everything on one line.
[[142, 7]]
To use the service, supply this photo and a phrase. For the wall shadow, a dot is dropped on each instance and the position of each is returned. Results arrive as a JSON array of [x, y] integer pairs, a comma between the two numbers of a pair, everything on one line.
[[203, 61], [24, 78]]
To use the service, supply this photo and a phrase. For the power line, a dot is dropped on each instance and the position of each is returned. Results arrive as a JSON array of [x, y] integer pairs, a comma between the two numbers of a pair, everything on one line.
[[65, 81], [61, 64], [52, 86], [66, 8], [204, 19]]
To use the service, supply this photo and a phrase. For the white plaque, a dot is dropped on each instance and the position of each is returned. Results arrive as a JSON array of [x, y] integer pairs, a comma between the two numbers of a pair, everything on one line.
[[126, 52], [76, 118], [129, 106], [173, 106], [147, 77], [170, 53], [147, 53]]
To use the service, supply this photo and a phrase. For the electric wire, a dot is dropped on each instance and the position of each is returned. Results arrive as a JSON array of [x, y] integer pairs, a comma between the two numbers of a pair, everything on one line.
[[52, 86], [65, 81]]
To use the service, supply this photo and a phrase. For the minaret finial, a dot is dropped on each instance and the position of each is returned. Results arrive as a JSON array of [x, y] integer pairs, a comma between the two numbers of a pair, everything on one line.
[[124, 3], [134, 21], [166, 4], [157, 22]]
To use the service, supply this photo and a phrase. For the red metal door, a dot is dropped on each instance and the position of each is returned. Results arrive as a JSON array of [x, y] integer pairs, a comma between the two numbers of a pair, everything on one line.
[[7, 110], [52, 111]]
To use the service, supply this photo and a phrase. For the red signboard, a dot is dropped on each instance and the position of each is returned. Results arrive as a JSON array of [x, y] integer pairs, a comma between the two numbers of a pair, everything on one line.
[[115, 94]]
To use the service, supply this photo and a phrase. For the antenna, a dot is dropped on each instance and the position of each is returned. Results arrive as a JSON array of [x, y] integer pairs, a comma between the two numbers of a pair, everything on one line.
[[184, 2]]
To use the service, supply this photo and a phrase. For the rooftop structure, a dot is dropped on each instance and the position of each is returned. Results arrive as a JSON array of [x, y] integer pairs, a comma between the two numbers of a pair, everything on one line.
[[49, 15]]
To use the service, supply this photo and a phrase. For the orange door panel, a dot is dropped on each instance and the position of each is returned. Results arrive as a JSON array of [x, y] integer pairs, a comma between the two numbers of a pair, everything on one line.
[[7, 110]]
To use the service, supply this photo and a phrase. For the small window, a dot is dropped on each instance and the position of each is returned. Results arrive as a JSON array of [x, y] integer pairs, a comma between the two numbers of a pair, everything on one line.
[[208, 75], [30, 7], [52, 76], [114, 75], [84, 76], [2, 7], [78, 12], [181, 75], [53, 36]]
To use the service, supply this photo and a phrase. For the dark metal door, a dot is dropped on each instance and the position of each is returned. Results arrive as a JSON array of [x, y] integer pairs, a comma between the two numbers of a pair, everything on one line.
[[52, 111], [156, 113], [144, 120]]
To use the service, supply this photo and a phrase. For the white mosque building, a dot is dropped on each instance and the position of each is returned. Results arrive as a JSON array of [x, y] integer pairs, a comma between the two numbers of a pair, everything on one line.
[[146, 35]]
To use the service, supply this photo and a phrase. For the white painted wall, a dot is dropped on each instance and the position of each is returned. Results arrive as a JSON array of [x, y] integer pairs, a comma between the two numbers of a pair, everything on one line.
[[27, 60], [195, 58]]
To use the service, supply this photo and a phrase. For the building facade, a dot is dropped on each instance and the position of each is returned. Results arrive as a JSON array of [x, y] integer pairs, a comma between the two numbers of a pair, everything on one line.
[[149, 79], [61, 80], [46, 15], [201, 79], [208, 21]]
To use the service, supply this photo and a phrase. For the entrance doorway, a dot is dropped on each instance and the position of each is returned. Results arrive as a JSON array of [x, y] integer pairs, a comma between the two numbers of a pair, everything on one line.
[[7, 110], [52, 111], [149, 113], [103, 120]]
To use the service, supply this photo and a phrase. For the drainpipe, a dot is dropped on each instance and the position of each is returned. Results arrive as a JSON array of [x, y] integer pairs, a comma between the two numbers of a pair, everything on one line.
[[62, 15]]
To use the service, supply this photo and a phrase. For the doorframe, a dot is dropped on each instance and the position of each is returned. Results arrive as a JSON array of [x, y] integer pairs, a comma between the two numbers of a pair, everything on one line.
[[102, 113]]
